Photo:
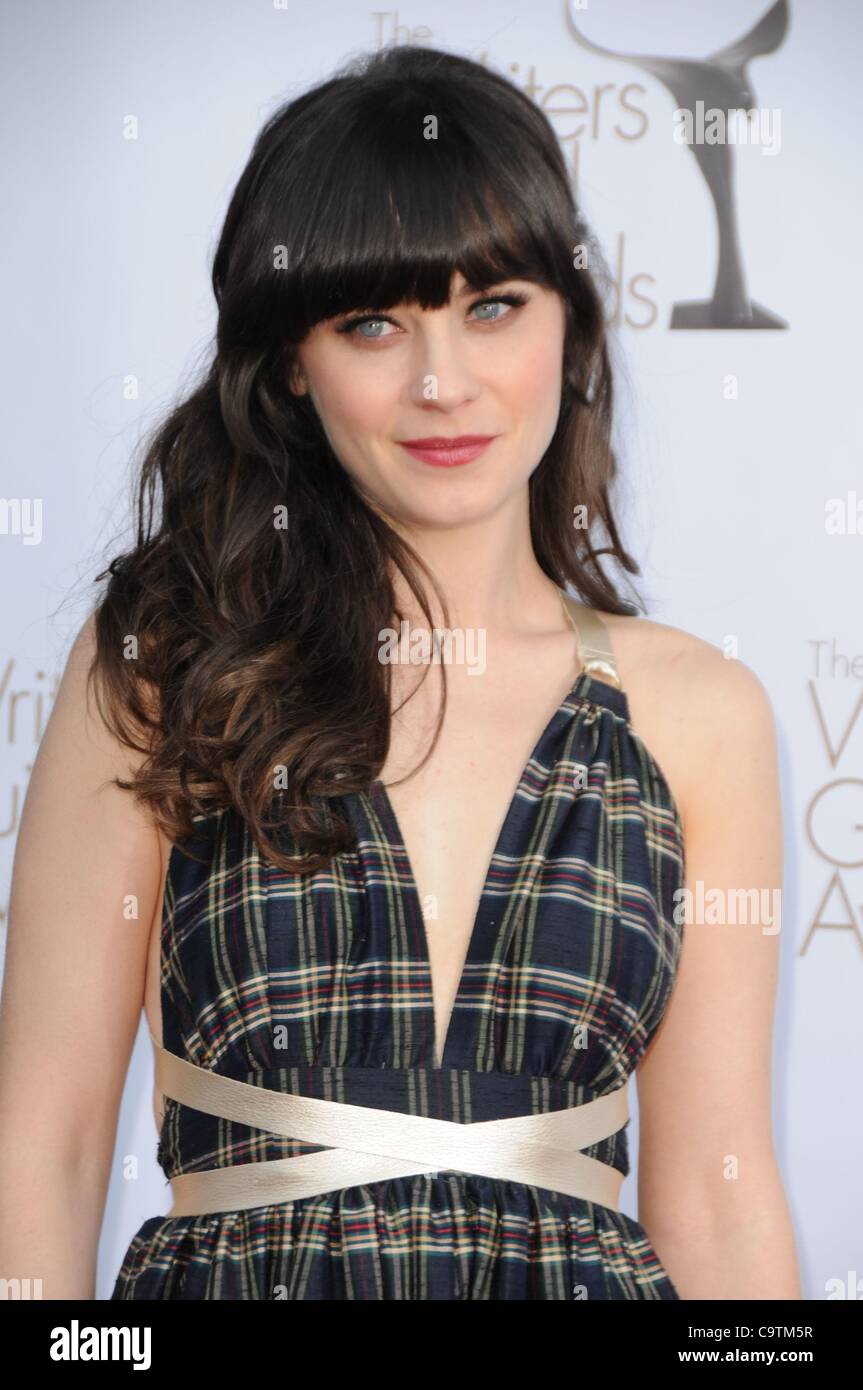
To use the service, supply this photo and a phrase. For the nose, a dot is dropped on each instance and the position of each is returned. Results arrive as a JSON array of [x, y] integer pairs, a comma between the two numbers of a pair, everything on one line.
[[442, 372]]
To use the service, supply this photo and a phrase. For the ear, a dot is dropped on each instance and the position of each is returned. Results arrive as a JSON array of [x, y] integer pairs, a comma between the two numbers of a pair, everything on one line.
[[297, 384]]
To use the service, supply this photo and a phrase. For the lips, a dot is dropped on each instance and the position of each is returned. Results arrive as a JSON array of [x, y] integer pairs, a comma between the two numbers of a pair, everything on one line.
[[448, 452]]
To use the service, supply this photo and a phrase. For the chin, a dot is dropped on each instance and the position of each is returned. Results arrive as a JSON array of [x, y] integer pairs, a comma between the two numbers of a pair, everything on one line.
[[454, 509]]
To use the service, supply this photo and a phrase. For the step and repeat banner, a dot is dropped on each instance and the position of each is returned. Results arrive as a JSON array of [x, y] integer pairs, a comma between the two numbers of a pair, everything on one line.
[[714, 149]]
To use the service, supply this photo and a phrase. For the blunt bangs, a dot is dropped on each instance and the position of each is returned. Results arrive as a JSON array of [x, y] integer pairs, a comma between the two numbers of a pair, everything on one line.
[[402, 205]]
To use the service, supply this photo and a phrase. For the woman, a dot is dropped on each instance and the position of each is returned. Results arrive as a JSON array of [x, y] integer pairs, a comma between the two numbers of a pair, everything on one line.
[[402, 935]]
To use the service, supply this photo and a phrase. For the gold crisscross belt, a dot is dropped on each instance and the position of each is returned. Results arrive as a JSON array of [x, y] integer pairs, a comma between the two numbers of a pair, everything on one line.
[[368, 1145]]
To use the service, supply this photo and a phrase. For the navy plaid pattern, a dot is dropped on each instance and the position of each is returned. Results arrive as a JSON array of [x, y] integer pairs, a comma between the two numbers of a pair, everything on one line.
[[320, 984]]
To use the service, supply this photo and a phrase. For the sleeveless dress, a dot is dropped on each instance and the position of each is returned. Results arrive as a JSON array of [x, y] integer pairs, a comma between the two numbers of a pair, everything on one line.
[[575, 938]]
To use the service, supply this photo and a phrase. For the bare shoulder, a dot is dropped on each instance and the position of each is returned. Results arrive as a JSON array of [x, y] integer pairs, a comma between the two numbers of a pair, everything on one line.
[[694, 677], [689, 702]]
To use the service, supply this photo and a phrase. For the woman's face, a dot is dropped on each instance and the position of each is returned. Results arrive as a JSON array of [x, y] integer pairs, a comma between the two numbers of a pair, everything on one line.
[[479, 366]]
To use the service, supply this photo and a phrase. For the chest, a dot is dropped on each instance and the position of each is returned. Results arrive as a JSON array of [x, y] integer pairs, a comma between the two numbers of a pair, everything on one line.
[[450, 814]]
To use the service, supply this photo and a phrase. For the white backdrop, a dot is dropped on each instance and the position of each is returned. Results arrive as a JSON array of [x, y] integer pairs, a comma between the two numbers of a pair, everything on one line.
[[733, 442]]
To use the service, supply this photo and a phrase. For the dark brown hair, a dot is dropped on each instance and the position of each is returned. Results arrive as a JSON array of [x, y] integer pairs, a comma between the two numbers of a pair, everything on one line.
[[256, 644]]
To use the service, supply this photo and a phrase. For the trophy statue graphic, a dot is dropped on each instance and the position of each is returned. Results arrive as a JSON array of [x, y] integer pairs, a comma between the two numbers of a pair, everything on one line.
[[720, 82]]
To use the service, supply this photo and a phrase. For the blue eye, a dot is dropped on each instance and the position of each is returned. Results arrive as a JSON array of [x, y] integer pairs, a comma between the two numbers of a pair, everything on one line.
[[350, 327], [490, 304], [364, 323], [515, 301]]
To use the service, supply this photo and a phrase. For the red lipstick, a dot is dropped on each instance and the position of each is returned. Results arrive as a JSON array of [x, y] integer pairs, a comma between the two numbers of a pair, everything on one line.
[[447, 452]]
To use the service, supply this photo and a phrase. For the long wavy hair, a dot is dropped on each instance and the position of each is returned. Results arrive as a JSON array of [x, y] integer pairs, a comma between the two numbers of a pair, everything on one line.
[[255, 593]]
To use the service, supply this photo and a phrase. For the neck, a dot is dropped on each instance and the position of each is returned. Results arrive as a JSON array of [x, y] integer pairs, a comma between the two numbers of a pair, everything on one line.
[[488, 573]]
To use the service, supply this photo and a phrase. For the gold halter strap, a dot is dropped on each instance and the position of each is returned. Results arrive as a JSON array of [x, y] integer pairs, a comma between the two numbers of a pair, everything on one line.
[[369, 1145], [596, 650]]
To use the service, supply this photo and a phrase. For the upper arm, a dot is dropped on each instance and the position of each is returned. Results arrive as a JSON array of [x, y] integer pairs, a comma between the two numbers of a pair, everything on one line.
[[85, 879], [704, 1085]]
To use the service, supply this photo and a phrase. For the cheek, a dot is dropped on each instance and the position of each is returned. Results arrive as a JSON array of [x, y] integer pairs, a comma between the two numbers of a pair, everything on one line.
[[534, 382], [352, 401]]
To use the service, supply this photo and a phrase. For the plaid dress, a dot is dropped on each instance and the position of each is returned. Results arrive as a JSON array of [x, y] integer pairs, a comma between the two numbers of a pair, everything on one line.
[[320, 985]]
